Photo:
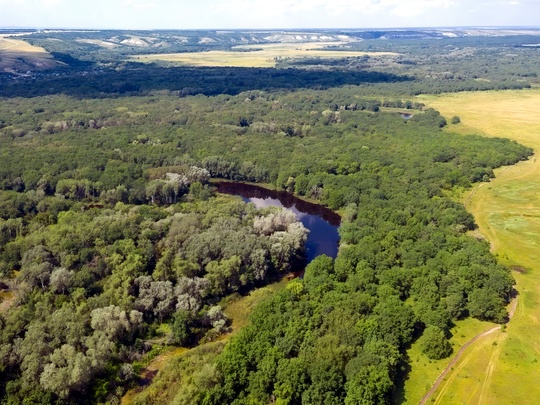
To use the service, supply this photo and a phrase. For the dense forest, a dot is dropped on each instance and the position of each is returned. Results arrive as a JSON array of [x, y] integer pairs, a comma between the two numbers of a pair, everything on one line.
[[98, 63], [114, 244]]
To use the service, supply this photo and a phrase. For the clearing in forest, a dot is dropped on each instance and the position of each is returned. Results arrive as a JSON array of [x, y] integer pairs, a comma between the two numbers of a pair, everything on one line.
[[238, 311], [264, 55], [501, 368]]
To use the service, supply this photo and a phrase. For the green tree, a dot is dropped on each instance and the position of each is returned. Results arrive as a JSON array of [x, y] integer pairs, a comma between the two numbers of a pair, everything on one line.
[[434, 343]]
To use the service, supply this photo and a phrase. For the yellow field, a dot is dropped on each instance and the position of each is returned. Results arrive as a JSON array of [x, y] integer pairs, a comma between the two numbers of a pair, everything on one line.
[[503, 367], [6, 300], [17, 45], [265, 55], [19, 56]]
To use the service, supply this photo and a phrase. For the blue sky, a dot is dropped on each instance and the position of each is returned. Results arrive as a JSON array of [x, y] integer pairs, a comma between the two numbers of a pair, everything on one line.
[[193, 14]]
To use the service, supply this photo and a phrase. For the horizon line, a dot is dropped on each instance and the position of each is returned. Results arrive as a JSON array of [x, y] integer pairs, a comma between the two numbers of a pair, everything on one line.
[[454, 27]]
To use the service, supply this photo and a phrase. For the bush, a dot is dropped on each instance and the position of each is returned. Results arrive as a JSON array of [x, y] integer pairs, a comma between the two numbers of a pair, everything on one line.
[[181, 328], [434, 344]]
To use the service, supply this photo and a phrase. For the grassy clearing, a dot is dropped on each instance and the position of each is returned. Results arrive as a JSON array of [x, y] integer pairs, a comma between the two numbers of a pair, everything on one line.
[[240, 310], [6, 300], [424, 371], [503, 367], [265, 55]]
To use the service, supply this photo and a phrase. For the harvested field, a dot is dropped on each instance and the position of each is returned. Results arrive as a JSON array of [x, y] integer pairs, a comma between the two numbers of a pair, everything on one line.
[[266, 55]]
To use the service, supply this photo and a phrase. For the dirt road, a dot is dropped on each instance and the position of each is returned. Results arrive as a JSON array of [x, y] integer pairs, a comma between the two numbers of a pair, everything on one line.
[[458, 355]]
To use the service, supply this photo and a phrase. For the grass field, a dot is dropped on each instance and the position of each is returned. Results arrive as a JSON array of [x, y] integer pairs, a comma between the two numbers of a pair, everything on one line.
[[18, 55], [424, 371], [264, 55], [503, 367]]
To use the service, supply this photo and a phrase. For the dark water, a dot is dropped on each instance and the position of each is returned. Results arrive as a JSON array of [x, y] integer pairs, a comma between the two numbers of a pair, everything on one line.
[[323, 237]]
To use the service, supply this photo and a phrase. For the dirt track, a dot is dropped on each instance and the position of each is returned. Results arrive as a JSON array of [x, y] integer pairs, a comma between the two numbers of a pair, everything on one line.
[[458, 355]]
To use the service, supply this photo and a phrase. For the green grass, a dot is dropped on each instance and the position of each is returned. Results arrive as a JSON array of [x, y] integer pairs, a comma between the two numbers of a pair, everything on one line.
[[424, 371], [240, 310], [503, 367]]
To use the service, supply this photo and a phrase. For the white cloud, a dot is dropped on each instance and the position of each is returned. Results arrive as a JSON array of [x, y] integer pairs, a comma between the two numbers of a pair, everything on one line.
[[305, 10], [194, 14], [51, 3], [139, 4]]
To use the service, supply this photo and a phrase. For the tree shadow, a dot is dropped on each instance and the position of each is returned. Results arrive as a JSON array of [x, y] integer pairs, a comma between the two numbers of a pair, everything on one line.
[[399, 395], [138, 79]]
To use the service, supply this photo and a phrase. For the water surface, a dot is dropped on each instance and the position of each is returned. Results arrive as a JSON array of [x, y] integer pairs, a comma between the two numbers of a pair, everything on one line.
[[322, 223]]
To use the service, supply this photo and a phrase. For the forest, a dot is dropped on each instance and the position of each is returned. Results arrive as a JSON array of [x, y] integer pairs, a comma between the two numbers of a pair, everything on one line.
[[114, 243]]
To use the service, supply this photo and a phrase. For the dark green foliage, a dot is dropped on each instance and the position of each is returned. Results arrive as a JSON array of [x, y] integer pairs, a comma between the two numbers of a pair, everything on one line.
[[112, 228], [97, 280], [181, 328], [434, 344], [485, 304]]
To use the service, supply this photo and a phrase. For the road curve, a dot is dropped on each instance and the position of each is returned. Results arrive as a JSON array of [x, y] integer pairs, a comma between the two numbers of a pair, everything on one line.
[[9, 47], [458, 355]]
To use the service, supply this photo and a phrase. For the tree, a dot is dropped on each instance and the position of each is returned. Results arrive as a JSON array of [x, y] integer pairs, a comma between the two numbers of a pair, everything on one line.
[[224, 275], [455, 120], [486, 305], [181, 333], [190, 292], [216, 318], [155, 296], [369, 385], [434, 344], [67, 371], [114, 322], [61, 280], [37, 266]]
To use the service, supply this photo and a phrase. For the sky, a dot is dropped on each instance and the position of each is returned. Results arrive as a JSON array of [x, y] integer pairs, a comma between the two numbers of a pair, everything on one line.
[[258, 14]]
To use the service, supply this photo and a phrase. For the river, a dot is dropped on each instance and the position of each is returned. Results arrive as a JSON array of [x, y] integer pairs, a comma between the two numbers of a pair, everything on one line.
[[322, 223]]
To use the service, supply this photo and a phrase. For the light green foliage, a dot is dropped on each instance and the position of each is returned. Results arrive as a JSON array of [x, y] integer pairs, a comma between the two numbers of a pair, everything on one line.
[[114, 231], [114, 322], [67, 371], [94, 283]]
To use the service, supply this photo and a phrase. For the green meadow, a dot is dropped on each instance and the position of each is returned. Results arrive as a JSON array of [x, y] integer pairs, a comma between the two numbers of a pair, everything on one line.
[[501, 368]]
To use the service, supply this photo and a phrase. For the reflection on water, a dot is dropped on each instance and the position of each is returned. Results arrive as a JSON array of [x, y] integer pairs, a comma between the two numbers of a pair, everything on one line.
[[323, 237]]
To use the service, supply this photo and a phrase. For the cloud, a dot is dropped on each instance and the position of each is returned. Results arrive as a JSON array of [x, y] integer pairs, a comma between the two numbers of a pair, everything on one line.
[[302, 10], [137, 4], [51, 3], [243, 14]]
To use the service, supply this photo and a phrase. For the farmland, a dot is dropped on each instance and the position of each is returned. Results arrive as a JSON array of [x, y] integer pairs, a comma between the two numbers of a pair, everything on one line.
[[19, 55], [261, 55], [507, 212]]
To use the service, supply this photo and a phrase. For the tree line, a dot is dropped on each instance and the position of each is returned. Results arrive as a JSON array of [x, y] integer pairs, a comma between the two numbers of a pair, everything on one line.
[[112, 240]]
